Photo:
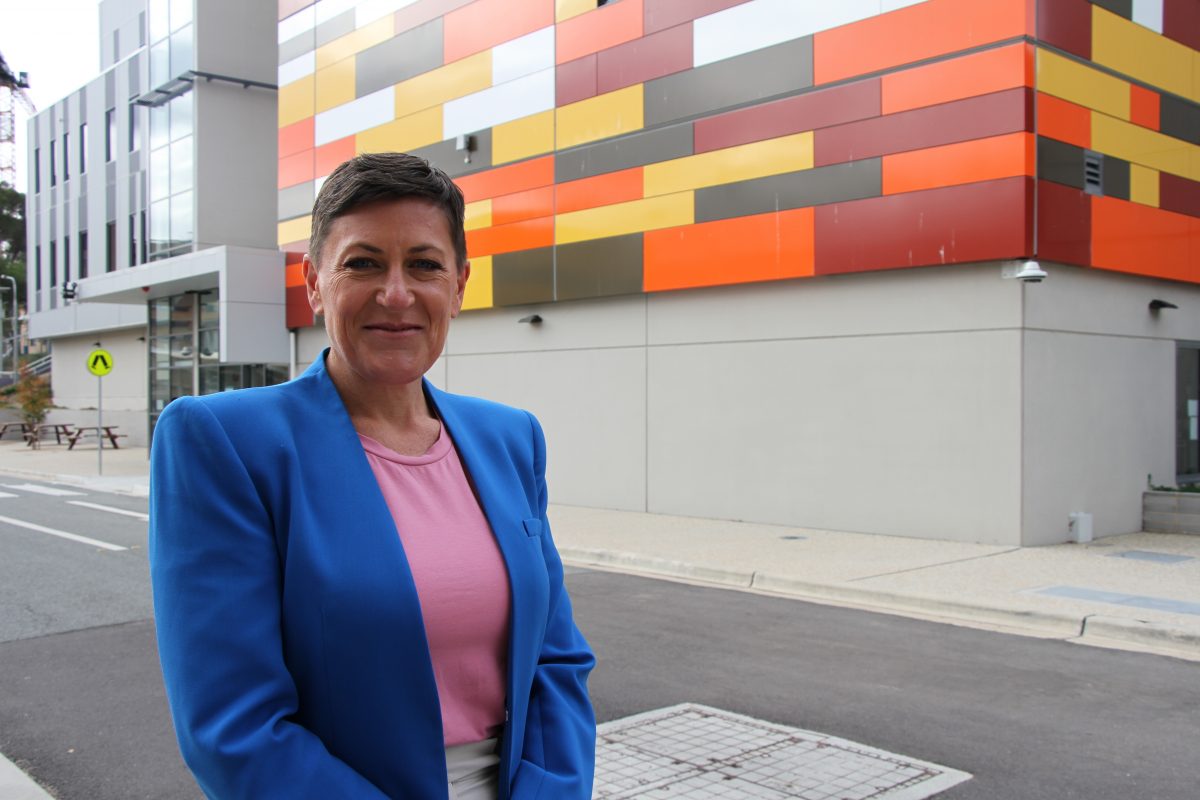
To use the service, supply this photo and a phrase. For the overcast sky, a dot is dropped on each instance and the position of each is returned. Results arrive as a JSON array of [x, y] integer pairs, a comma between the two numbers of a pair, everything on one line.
[[57, 43]]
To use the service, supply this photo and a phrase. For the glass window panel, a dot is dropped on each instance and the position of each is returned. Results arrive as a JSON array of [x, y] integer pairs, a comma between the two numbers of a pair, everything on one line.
[[160, 126], [210, 316], [160, 173], [160, 389], [181, 116], [181, 316], [181, 13], [181, 165], [160, 64], [181, 52], [83, 141], [232, 378], [276, 373], [110, 134], [181, 383], [182, 353], [181, 219], [210, 343], [160, 352], [210, 379], [160, 316], [158, 20], [160, 228]]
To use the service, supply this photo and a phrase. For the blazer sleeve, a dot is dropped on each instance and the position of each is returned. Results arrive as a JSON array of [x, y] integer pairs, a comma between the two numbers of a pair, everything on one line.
[[217, 580], [558, 755]]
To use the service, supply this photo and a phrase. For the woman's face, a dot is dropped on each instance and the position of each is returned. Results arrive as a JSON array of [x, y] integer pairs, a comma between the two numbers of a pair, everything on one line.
[[387, 282]]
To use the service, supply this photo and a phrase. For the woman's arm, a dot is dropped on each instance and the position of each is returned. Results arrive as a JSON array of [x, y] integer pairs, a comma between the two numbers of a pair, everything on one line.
[[558, 756], [217, 580]]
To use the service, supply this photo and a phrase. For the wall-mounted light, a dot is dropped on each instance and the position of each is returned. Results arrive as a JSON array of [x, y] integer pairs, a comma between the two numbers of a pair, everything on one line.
[[70, 290], [465, 143], [1158, 305], [532, 319], [1028, 271]]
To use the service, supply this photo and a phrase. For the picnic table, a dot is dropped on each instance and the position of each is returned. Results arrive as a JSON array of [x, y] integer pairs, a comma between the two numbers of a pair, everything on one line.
[[22, 427], [108, 431], [33, 438]]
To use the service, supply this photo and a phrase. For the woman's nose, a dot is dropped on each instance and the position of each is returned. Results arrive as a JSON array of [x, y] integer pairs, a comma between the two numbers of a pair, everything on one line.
[[395, 290]]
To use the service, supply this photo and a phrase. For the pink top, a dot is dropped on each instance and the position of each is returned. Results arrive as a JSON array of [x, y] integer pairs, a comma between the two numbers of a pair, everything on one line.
[[461, 580]]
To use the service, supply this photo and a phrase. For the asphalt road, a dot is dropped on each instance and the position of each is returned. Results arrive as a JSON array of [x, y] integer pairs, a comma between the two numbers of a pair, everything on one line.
[[82, 708]]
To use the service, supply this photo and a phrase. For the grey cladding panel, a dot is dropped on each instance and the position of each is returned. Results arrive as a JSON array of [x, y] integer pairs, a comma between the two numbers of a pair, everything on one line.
[[335, 28], [1180, 119], [853, 180], [636, 150], [402, 57], [1116, 177], [776, 70], [1060, 162], [1122, 7], [446, 157], [524, 277], [297, 46], [599, 268], [296, 201]]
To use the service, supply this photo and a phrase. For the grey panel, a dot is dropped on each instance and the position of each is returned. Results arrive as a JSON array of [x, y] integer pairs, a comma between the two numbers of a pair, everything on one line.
[[1060, 162], [296, 201], [776, 70], [636, 150], [297, 46], [335, 28], [451, 161], [524, 277], [135, 73], [398, 59], [599, 268], [1122, 7], [1180, 119], [1116, 178], [853, 180], [110, 88]]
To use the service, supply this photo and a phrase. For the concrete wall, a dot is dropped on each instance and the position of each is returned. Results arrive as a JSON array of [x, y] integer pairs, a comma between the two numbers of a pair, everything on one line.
[[75, 389]]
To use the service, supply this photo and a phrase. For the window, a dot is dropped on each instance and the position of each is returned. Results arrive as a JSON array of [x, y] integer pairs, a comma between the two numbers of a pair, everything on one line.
[[53, 264], [142, 260], [133, 240], [133, 126], [110, 134], [37, 271], [53, 163], [110, 242], [66, 273], [37, 169], [83, 254], [66, 156], [83, 148]]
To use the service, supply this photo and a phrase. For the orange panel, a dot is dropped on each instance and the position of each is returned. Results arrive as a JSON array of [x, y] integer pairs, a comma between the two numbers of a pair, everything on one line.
[[295, 169], [967, 76], [962, 162], [597, 30], [487, 23], [523, 205], [914, 33], [293, 273], [296, 137], [329, 156], [763, 247], [514, 236], [1143, 107], [600, 190], [1064, 121], [1130, 237], [506, 180]]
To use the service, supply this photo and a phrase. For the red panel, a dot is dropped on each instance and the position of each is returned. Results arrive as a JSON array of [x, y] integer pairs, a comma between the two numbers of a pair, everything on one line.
[[506, 180], [661, 14], [487, 23], [524, 235], [804, 112], [1131, 237], [1064, 121], [293, 272], [523, 205], [958, 224], [597, 30], [297, 137], [1064, 224], [296, 169], [1066, 24], [298, 312], [1143, 107], [644, 59], [1179, 194], [973, 118], [330, 156], [575, 80], [424, 11], [1181, 21]]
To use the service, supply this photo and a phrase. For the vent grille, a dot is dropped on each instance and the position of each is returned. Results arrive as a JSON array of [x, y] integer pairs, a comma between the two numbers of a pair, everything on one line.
[[1093, 172]]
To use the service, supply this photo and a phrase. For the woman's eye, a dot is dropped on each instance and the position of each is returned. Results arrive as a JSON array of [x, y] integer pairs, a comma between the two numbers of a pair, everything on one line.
[[358, 263], [426, 265]]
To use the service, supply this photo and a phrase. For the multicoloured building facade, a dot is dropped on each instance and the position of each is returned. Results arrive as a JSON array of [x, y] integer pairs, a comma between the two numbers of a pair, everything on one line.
[[714, 205]]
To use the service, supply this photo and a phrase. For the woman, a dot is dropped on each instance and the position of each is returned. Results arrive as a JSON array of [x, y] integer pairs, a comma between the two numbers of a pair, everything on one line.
[[355, 588]]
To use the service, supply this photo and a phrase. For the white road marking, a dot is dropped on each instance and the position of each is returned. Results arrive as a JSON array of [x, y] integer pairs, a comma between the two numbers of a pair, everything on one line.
[[110, 509], [74, 537], [50, 490], [6, 494]]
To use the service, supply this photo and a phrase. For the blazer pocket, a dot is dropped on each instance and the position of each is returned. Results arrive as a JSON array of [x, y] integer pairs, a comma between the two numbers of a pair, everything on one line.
[[533, 526]]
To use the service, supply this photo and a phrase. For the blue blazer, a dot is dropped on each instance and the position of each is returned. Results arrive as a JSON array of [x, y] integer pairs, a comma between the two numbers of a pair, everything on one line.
[[289, 629]]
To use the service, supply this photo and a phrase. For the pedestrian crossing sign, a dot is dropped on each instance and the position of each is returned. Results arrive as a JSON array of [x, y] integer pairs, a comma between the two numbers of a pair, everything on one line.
[[99, 363]]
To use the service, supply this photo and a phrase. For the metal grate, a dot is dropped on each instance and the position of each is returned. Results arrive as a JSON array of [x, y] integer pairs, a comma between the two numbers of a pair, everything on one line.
[[1093, 172]]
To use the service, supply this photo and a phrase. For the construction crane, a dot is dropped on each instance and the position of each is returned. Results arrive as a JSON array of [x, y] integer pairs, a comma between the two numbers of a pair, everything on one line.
[[12, 92]]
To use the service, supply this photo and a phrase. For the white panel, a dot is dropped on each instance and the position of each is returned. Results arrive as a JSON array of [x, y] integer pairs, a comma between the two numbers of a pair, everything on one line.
[[298, 23], [525, 56], [762, 23], [504, 103], [370, 10], [328, 9], [357, 115], [297, 68], [1149, 13]]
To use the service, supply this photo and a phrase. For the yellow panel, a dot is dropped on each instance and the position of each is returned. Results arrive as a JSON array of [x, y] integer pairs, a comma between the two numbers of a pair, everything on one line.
[[620, 218], [355, 42], [402, 135], [1143, 185], [565, 9], [295, 230], [741, 163], [478, 215], [296, 101], [335, 85], [1143, 54], [599, 117], [479, 285], [1081, 84], [1139, 145], [522, 138], [467, 75]]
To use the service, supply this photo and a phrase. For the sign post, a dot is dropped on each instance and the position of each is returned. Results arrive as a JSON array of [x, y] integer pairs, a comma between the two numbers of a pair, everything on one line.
[[100, 363]]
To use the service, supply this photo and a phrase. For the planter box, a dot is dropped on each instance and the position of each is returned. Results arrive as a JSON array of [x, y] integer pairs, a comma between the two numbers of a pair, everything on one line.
[[1171, 512]]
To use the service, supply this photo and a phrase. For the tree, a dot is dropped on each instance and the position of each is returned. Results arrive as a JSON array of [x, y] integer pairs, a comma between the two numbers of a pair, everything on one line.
[[33, 397], [12, 238]]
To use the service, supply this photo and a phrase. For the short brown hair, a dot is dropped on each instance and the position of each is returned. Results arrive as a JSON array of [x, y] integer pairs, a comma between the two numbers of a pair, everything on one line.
[[386, 176]]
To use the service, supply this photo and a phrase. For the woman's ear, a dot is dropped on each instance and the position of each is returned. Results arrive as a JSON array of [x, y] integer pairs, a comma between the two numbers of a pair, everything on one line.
[[463, 274], [309, 270]]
